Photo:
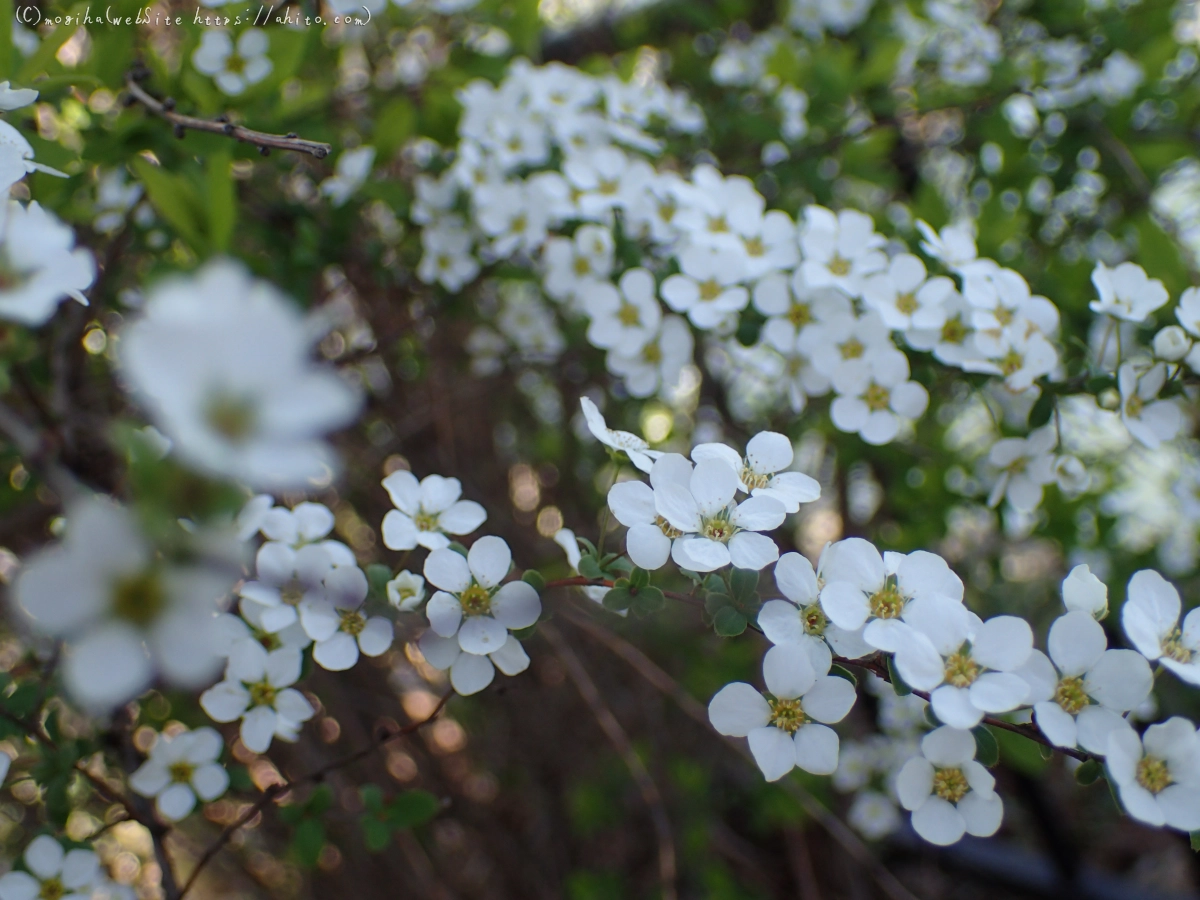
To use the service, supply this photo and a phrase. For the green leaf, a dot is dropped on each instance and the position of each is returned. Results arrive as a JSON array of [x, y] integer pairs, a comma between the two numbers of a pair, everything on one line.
[[320, 801], [378, 575], [394, 124], [843, 672], [618, 599], [1195, 839], [222, 201], [648, 601], [43, 59], [728, 622], [523, 634], [1020, 753], [639, 578], [412, 808], [307, 841], [1042, 410], [590, 568], [376, 833], [372, 797], [715, 602], [1090, 770], [176, 201], [987, 751], [534, 579], [931, 716], [898, 684], [742, 584]]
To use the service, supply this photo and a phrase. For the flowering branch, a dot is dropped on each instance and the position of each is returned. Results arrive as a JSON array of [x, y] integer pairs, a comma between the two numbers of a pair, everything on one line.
[[165, 109]]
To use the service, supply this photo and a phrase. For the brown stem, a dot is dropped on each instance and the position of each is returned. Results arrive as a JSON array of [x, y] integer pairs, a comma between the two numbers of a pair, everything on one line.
[[260, 139]]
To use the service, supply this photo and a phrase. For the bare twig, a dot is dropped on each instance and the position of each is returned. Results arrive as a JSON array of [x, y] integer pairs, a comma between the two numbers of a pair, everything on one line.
[[620, 740], [265, 142]]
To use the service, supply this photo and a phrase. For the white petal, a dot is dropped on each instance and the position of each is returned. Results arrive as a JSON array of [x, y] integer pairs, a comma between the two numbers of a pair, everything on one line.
[[176, 802], [817, 748], [788, 671], [225, 701], [953, 706], [751, 550], [1003, 643], [648, 547], [516, 605], [794, 576], [938, 822], [1180, 806], [948, 747], [999, 691], [1057, 724], [440, 652], [447, 570], [107, 667], [283, 667], [1120, 680], [489, 559], [914, 783], [737, 709], [80, 869], [780, 622], [919, 663], [699, 554], [258, 727], [377, 636], [1094, 725], [632, 503], [399, 531], [759, 514], [773, 750], [713, 485], [830, 699], [982, 813], [675, 503], [470, 674], [149, 779], [462, 518], [19, 886], [293, 706], [44, 856], [443, 611], [481, 635], [338, 653], [1140, 804], [210, 781], [511, 659], [845, 604], [319, 618], [404, 490], [1041, 676], [1076, 642]]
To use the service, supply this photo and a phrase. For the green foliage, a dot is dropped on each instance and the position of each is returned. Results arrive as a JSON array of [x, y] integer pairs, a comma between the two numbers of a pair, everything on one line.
[[381, 818], [987, 750]]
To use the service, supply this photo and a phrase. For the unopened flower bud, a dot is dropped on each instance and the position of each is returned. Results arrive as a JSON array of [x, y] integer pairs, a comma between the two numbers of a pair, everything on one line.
[[1171, 344]]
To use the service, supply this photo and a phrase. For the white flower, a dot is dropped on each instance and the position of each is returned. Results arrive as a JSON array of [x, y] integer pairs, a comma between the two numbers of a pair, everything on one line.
[[767, 453], [1188, 311], [875, 396], [470, 672], [1126, 292], [406, 591], [800, 619], [220, 360], [16, 159], [123, 614], [656, 365], [471, 602], [840, 249], [53, 872], [182, 768], [789, 727], [627, 318], [904, 298], [426, 511], [1158, 775], [873, 815], [284, 578], [1026, 465], [1021, 355], [954, 245], [631, 445], [707, 289], [257, 689], [949, 793], [1172, 344], [39, 266], [573, 264], [633, 504], [337, 624], [114, 198], [305, 523], [1149, 420], [248, 626], [791, 306], [566, 539], [233, 69], [1083, 590], [14, 98], [1150, 618], [447, 258], [715, 531], [1080, 691], [353, 167]]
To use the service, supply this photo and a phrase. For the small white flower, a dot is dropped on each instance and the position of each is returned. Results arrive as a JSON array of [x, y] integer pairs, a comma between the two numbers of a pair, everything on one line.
[[257, 689], [573, 264], [633, 504], [351, 173], [337, 624], [1188, 311], [1172, 344], [472, 603], [631, 445], [1079, 692], [627, 318], [305, 523], [53, 872], [789, 727], [840, 249], [1149, 420], [1126, 292], [658, 364], [801, 620], [948, 792], [16, 160], [875, 397], [1158, 775], [284, 578], [1026, 465], [767, 454], [14, 98], [233, 68], [954, 245], [470, 673], [715, 531], [904, 298], [566, 539], [873, 815], [707, 289], [1083, 590], [406, 591], [1150, 618], [40, 267], [426, 511], [182, 768]]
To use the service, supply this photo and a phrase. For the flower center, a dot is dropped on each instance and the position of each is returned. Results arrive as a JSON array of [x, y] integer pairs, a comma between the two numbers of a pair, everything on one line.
[[787, 715], [652, 353], [1070, 695], [476, 601], [667, 210], [1011, 362], [961, 670], [1153, 774], [877, 397], [839, 266], [907, 304], [667, 528], [1003, 315], [235, 64], [353, 622], [582, 266], [852, 349], [754, 480], [181, 772], [950, 784], [608, 186], [814, 619], [426, 521], [269, 641], [954, 331], [718, 225], [291, 593], [800, 314], [755, 246], [232, 417], [1134, 406], [11, 277], [887, 603], [710, 290], [628, 315], [1173, 647], [262, 693], [52, 889], [139, 598], [718, 528]]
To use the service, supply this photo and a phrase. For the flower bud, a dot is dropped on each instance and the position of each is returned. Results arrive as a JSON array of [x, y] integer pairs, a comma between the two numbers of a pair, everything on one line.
[[1171, 344]]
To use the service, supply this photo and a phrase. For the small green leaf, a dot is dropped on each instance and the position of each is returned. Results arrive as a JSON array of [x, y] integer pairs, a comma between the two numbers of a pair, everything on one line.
[[843, 672], [372, 797], [376, 833], [523, 634], [931, 717], [534, 579], [412, 808], [639, 578], [176, 201], [728, 622], [1195, 838], [590, 568], [1042, 410], [1090, 770], [378, 575], [898, 684], [648, 601], [458, 548], [307, 841], [320, 801], [222, 201], [618, 599], [743, 583], [987, 751], [715, 602]]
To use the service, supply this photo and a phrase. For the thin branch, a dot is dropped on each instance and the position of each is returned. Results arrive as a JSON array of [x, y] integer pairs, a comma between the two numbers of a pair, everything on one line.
[[581, 581], [276, 791], [164, 109], [667, 870]]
